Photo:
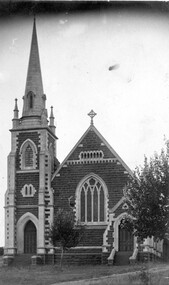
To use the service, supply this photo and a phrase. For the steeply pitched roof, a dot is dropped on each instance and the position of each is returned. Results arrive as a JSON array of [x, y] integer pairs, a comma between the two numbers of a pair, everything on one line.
[[93, 140]]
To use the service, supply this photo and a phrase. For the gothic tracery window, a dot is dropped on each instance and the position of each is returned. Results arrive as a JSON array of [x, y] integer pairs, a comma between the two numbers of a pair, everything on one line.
[[28, 156], [28, 153], [92, 200]]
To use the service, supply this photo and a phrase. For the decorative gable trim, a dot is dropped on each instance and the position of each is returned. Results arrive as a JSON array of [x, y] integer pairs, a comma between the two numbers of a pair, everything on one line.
[[125, 206], [117, 157], [91, 155], [117, 205], [90, 161]]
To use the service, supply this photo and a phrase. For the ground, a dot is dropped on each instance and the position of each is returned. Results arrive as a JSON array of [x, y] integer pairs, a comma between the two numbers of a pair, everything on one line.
[[48, 275]]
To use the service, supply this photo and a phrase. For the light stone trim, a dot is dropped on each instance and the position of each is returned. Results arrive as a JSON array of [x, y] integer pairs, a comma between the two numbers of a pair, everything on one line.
[[125, 206], [78, 195], [105, 235], [22, 154], [91, 155], [43, 139], [92, 128], [11, 172], [80, 145], [117, 222], [117, 205], [26, 206], [90, 161], [14, 141], [41, 201], [20, 230], [28, 190], [10, 207], [28, 171]]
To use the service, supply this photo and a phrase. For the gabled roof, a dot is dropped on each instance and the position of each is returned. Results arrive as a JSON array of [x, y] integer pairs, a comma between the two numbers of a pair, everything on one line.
[[93, 128]]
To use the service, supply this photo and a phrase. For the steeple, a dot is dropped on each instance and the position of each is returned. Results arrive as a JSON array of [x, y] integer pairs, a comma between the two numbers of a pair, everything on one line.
[[34, 98]]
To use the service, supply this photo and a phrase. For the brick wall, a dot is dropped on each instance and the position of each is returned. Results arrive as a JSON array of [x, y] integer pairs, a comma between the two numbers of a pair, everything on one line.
[[26, 177], [109, 168], [35, 137], [91, 142], [92, 237], [65, 185], [21, 211]]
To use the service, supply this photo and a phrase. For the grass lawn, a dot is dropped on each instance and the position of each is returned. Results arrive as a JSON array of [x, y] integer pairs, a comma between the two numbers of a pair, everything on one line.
[[47, 275]]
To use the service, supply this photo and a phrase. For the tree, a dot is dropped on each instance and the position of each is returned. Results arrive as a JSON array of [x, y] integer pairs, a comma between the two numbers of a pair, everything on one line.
[[64, 232], [147, 196]]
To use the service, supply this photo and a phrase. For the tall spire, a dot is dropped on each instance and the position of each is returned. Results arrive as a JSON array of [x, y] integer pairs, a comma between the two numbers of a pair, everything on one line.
[[34, 98]]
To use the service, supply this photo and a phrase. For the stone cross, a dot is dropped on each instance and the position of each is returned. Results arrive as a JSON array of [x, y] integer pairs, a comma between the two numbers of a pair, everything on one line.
[[92, 114]]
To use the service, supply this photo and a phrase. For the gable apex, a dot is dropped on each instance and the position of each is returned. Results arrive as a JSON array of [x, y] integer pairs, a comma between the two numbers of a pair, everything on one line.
[[98, 141]]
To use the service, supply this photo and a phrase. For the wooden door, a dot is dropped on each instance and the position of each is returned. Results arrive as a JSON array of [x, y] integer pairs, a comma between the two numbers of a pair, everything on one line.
[[30, 237], [125, 240]]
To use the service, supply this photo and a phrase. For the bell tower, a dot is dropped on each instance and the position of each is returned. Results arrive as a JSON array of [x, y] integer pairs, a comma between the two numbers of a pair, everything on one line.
[[31, 162]]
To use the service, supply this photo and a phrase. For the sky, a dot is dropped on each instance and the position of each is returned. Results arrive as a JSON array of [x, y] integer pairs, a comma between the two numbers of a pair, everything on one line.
[[114, 61]]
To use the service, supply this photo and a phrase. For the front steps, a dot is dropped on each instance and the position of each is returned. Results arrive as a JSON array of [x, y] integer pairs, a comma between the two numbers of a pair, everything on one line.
[[122, 257], [22, 260], [76, 256]]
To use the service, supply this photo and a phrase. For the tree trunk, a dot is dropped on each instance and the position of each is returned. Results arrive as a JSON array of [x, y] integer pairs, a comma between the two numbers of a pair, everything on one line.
[[61, 257]]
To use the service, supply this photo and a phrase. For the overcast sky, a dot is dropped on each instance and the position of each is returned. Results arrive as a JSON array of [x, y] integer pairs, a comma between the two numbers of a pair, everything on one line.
[[114, 61]]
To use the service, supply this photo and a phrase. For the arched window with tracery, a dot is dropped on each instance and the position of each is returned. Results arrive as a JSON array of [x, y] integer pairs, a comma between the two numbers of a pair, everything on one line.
[[91, 201], [28, 156], [28, 153]]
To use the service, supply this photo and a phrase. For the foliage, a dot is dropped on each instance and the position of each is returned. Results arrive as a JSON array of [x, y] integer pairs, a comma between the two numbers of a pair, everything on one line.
[[147, 196], [64, 232]]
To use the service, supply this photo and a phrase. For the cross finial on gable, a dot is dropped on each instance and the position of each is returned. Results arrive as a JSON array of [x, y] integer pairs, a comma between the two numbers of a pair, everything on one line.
[[92, 114]]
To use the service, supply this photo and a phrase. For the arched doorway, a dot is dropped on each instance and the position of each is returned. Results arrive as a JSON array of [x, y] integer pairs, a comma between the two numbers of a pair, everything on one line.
[[30, 238], [126, 240]]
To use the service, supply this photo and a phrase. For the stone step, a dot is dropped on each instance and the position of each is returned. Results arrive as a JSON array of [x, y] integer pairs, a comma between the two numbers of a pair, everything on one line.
[[122, 257], [22, 260], [75, 258]]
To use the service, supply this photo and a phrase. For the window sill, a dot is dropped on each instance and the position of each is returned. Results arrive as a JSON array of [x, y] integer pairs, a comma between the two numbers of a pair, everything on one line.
[[27, 170], [95, 225]]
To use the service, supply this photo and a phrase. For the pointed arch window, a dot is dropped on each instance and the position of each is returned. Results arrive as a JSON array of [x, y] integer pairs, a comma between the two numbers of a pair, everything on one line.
[[28, 152], [28, 156], [91, 201]]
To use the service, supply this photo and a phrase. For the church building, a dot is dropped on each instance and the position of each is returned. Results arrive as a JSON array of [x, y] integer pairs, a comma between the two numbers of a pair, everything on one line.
[[90, 182]]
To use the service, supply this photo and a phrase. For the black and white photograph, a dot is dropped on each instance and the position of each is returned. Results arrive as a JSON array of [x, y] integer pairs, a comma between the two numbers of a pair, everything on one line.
[[84, 142]]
